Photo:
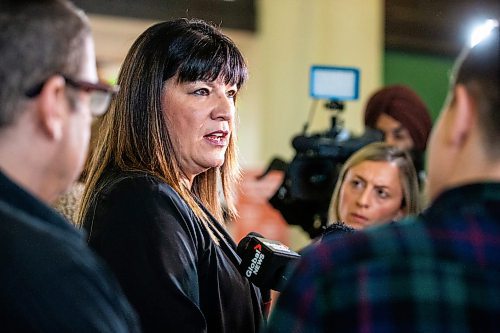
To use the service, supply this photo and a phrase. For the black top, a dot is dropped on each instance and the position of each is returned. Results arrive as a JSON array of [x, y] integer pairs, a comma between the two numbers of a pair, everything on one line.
[[335, 230], [435, 272], [173, 273], [49, 279]]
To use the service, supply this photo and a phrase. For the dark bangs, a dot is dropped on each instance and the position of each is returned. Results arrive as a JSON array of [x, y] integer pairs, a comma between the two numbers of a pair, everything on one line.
[[210, 56]]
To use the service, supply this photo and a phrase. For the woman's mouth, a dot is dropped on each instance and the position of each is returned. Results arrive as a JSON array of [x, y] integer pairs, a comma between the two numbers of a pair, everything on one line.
[[359, 218], [218, 138]]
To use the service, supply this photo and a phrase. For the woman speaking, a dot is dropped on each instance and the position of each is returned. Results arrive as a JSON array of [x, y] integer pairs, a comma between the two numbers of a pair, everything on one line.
[[165, 156]]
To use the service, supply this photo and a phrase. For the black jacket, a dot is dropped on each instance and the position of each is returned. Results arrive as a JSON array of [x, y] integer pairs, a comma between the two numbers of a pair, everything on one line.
[[173, 273], [50, 281]]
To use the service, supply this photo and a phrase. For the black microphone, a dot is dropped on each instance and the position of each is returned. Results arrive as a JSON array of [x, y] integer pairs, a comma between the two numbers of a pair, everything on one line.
[[265, 262]]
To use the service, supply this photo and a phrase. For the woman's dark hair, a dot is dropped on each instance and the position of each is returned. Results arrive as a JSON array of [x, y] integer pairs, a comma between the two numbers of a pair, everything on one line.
[[134, 134]]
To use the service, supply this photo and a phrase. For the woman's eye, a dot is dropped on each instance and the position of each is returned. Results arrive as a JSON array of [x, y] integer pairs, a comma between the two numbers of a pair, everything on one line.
[[400, 137], [356, 183], [382, 194], [231, 93], [202, 92]]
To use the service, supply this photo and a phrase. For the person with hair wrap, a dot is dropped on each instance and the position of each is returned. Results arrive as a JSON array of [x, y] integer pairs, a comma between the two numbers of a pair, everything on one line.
[[401, 115]]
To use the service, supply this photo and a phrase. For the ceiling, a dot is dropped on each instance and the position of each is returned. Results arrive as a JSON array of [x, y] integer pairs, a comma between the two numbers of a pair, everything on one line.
[[237, 14], [438, 27]]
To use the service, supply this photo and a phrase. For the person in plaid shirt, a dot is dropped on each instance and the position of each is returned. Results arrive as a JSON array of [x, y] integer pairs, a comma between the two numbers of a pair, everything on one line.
[[439, 271]]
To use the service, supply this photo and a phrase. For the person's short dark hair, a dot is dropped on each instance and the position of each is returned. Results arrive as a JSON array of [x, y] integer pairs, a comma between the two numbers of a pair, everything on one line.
[[38, 38], [478, 70]]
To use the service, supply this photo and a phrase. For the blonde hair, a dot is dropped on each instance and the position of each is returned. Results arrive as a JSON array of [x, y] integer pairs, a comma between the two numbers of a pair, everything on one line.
[[380, 151], [134, 135]]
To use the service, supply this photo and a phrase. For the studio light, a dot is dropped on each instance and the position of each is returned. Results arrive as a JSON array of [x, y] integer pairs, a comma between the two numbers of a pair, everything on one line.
[[482, 31]]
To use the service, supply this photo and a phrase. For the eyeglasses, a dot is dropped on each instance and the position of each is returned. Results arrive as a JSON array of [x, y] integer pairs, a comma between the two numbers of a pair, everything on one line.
[[100, 93]]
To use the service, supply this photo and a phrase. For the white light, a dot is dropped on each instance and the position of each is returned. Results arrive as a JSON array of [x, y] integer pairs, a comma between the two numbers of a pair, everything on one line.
[[482, 31]]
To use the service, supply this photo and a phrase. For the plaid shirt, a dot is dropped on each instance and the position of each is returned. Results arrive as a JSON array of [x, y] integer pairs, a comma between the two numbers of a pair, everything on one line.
[[439, 272]]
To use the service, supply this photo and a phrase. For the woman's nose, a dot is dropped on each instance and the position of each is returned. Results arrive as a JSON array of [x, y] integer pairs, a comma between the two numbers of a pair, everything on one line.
[[224, 108], [389, 139], [364, 198]]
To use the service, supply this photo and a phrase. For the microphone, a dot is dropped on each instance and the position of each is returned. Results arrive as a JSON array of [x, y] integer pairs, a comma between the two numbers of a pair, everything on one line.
[[264, 262]]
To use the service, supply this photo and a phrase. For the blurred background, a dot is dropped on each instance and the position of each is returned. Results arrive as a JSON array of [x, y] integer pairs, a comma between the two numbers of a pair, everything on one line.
[[410, 42]]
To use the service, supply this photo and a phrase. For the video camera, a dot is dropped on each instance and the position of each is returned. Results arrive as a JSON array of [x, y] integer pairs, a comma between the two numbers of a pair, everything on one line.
[[304, 196]]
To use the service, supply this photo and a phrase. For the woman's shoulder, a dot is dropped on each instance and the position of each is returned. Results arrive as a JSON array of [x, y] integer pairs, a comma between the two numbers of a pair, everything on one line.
[[129, 197], [136, 183], [131, 192], [335, 230]]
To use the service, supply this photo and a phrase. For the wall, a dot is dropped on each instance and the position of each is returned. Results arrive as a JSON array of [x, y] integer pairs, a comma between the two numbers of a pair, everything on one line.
[[291, 36], [427, 75]]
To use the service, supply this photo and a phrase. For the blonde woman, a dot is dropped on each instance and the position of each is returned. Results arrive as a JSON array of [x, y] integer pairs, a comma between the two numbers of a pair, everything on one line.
[[377, 184]]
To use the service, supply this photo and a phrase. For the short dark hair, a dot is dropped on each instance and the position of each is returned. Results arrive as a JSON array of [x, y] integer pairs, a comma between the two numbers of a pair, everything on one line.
[[38, 38], [478, 70]]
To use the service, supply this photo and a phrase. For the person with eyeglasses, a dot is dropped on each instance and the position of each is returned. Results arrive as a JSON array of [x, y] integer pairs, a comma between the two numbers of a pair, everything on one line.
[[69, 202], [161, 180], [438, 271], [50, 281]]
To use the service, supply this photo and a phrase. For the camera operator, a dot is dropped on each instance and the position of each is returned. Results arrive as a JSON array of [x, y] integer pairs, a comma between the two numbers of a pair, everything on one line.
[[401, 115]]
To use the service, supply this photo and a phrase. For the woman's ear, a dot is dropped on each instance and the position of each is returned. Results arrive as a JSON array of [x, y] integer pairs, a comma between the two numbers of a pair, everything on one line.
[[51, 107]]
